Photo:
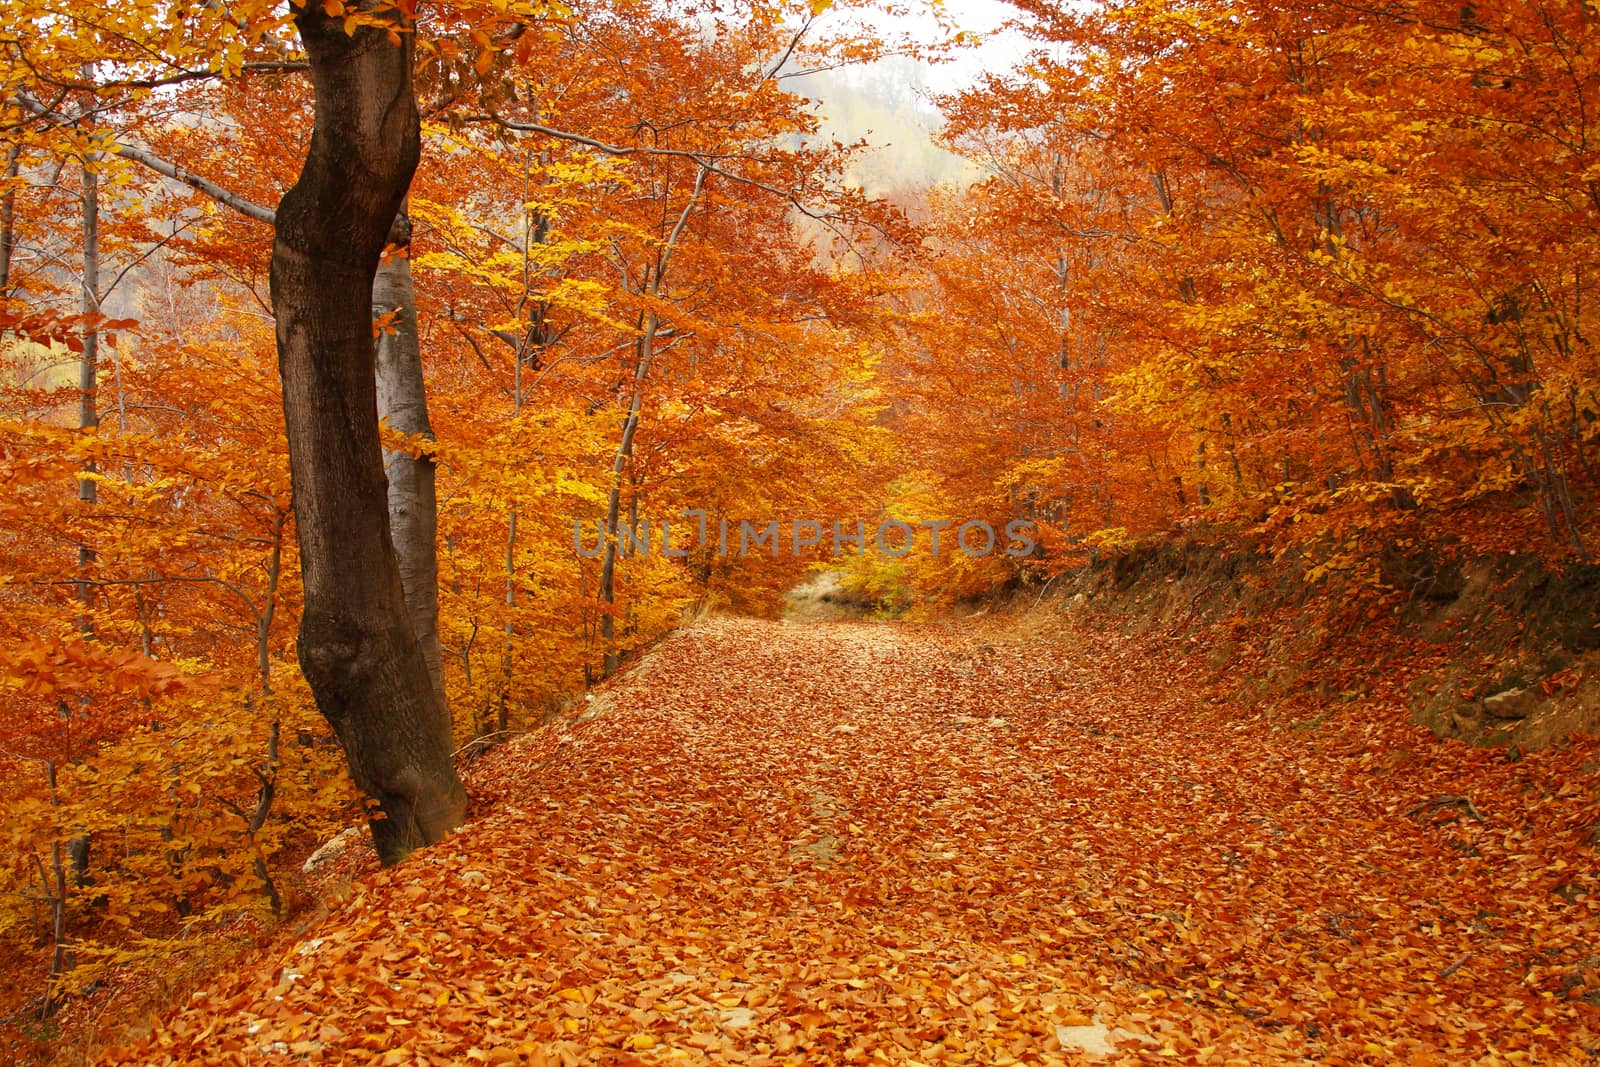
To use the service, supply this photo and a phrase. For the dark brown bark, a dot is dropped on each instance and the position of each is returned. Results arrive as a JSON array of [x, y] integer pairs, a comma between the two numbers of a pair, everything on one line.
[[357, 647]]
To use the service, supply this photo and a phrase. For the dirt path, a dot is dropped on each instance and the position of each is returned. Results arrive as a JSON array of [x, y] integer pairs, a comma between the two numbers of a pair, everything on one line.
[[857, 844]]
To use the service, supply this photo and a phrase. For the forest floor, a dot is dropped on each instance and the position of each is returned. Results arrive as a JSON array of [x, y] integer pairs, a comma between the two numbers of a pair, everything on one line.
[[773, 843]]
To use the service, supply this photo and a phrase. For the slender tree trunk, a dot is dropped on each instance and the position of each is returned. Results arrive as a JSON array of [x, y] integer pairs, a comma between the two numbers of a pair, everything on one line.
[[619, 463], [88, 421], [89, 375], [269, 606], [508, 630], [508, 634], [630, 426], [55, 887], [403, 400], [357, 646], [8, 217]]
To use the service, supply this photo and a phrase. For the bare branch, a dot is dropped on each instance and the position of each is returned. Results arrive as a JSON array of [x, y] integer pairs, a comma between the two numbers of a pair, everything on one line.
[[161, 166]]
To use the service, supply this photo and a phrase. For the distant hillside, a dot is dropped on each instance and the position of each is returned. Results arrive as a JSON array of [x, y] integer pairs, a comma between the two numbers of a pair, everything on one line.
[[889, 105]]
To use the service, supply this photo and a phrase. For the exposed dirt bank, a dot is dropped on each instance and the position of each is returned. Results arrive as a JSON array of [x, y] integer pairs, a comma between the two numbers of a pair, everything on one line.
[[1496, 650]]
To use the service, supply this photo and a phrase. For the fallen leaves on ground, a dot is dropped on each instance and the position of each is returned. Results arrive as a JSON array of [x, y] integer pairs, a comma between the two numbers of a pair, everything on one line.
[[857, 843]]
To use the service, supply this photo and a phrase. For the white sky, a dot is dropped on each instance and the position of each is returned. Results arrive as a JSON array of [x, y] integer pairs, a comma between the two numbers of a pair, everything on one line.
[[891, 103], [999, 51]]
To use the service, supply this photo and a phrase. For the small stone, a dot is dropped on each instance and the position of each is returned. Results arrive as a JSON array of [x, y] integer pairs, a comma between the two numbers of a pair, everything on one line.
[[334, 848], [1513, 703]]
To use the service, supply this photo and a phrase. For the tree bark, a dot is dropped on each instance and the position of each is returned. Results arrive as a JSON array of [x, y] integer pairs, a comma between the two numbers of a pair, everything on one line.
[[89, 376], [619, 464], [646, 350], [8, 217], [403, 400], [88, 422], [357, 647]]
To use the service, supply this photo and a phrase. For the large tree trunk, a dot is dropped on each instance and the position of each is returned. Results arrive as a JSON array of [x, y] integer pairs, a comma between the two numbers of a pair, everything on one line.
[[403, 400], [357, 646]]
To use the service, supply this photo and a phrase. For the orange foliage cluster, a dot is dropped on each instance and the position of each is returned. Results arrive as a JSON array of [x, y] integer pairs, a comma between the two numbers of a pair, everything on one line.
[[158, 748], [1316, 269]]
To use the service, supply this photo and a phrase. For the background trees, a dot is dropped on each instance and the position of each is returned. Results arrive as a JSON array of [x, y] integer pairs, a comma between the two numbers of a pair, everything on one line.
[[1300, 269]]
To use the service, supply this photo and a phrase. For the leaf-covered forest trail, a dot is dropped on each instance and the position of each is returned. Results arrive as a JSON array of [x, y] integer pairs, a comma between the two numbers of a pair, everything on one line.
[[856, 843]]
